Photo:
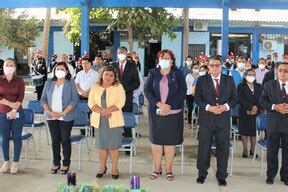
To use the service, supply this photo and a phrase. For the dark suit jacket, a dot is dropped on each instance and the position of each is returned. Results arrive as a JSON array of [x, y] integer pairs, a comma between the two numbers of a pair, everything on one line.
[[269, 76], [130, 81], [177, 89], [206, 94], [271, 94], [246, 99]]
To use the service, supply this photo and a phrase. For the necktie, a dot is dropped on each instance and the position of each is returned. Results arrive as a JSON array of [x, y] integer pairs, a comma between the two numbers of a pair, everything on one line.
[[121, 70], [217, 87], [283, 91]]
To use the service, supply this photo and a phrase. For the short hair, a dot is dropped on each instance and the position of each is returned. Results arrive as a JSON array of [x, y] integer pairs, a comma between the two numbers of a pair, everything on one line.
[[11, 59], [241, 57], [261, 59], [280, 63], [217, 58], [188, 57], [246, 73], [122, 47]]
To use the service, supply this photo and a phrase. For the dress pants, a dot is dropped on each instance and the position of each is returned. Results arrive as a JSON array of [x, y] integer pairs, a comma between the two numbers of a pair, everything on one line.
[[275, 140], [189, 102], [222, 141], [60, 134]]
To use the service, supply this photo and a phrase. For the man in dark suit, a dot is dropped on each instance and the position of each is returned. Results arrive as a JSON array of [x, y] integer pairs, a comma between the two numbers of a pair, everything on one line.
[[269, 76], [129, 78], [215, 95], [274, 99]]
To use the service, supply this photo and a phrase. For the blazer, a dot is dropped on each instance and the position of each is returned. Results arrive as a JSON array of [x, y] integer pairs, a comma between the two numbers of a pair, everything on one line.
[[130, 81], [69, 96], [177, 89], [269, 76], [246, 99], [115, 95], [205, 94], [271, 94]]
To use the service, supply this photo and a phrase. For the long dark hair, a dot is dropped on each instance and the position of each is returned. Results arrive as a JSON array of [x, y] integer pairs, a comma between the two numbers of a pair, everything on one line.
[[68, 75], [108, 68]]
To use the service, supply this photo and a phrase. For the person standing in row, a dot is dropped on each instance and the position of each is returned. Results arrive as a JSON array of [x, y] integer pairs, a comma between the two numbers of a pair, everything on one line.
[[215, 95], [59, 100], [165, 90], [12, 90], [274, 99]]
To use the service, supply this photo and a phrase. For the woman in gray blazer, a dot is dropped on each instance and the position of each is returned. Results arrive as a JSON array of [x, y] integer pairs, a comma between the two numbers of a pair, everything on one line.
[[59, 100]]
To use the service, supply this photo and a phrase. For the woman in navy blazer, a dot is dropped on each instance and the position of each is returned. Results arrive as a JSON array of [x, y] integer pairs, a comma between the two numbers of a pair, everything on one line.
[[165, 89], [59, 100]]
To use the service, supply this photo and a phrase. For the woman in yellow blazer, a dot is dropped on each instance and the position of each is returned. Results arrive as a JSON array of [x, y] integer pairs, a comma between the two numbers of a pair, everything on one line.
[[106, 99]]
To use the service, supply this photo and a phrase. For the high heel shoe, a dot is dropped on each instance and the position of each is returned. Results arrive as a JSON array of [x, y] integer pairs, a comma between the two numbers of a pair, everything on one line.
[[115, 176], [14, 168], [54, 169], [100, 175], [5, 167], [65, 171]]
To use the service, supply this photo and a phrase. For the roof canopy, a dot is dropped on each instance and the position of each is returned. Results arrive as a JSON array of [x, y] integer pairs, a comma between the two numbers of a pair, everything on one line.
[[233, 4]]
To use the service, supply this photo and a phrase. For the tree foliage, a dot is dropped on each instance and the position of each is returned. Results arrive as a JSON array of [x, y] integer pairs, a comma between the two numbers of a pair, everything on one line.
[[144, 22], [18, 33]]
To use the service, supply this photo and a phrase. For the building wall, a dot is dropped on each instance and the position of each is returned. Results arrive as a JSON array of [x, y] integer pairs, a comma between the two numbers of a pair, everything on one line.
[[6, 53], [264, 53], [200, 38], [140, 51], [62, 44], [175, 45]]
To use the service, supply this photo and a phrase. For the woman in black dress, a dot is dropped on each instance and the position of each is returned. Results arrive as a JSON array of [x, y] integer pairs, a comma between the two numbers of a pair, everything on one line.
[[248, 94]]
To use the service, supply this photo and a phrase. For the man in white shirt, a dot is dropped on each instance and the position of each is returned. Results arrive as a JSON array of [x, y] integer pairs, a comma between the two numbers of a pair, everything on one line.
[[64, 58], [261, 70], [85, 79]]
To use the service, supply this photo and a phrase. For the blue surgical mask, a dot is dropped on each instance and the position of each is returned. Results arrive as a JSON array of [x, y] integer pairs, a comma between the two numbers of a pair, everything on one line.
[[164, 64], [241, 65], [195, 70]]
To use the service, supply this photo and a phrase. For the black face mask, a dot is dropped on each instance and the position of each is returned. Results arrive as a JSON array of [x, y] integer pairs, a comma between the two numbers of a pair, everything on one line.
[[53, 60]]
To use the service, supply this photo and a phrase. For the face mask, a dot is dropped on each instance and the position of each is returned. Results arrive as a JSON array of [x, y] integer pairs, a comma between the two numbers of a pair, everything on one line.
[[201, 73], [261, 66], [189, 62], [164, 64], [250, 79], [9, 70], [60, 74], [121, 57], [241, 65], [195, 70]]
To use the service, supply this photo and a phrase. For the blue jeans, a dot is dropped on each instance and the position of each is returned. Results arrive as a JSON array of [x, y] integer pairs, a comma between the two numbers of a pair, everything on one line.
[[11, 129]]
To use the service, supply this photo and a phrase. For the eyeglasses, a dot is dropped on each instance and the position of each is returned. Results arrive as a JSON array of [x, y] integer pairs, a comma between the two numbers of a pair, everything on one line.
[[214, 65], [282, 70]]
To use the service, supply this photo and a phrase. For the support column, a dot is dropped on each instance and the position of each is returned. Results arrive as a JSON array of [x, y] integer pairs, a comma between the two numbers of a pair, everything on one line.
[[255, 46], [84, 26], [225, 30], [51, 45]]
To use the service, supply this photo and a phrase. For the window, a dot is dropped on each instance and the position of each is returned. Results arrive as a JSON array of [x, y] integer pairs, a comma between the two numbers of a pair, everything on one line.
[[195, 49]]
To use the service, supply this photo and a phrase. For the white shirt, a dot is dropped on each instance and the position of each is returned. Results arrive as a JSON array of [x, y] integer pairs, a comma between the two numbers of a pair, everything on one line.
[[86, 80], [139, 90], [57, 99], [214, 82], [260, 74], [190, 81], [124, 64], [71, 70]]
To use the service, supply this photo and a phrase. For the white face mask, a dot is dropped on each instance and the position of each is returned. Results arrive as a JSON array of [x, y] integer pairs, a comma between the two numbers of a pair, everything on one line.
[[121, 57], [60, 74], [250, 79], [261, 66], [241, 65], [164, 64], [8, 70], [195, 70], [201, 73], [188, 63]]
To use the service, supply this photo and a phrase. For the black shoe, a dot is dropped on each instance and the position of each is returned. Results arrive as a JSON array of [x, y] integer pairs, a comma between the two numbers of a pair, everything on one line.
[[284, 181], [200, 180], [222, 182], [100, 175], [65, 171], [115, 176], [244, 156], [269, 181], [54, 170], [127, 153], [252, 154]]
